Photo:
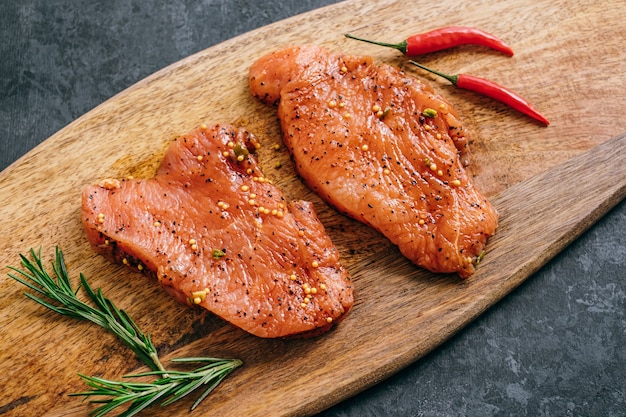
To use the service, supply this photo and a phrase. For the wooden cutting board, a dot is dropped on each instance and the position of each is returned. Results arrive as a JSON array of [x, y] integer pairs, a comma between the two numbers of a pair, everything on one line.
[[549, 185]]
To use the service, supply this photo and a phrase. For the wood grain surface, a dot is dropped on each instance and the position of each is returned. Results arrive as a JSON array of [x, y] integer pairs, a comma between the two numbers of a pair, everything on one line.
[[549, 185]]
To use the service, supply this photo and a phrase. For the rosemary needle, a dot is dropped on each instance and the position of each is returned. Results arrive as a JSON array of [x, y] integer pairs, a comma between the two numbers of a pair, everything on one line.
[[169, 386]]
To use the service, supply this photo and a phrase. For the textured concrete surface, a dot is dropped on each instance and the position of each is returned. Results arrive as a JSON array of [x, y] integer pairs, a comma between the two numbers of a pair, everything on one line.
[[554, 347]]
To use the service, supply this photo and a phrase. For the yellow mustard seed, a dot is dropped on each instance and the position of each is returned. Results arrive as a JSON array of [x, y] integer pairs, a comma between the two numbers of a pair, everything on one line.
[[315, 264], [456, 182], [200, 294], [329, 319], [200, 158], [245, 188]]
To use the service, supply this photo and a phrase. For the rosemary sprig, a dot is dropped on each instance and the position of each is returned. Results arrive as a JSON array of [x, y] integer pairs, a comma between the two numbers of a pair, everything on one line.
[[169, 387], [105, 313]]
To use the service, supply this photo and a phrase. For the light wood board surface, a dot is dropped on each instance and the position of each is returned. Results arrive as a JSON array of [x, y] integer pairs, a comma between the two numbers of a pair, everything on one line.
[[549, 185]]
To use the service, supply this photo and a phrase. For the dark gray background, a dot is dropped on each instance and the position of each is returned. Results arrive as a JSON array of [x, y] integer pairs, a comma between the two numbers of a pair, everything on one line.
[[555, 347]]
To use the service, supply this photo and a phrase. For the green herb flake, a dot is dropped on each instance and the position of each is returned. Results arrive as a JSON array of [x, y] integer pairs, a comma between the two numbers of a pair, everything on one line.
[[240, 150], [428, 112]]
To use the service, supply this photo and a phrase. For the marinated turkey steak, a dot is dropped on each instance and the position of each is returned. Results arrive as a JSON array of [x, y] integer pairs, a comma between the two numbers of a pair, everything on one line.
[[383, 148], [215, 232]]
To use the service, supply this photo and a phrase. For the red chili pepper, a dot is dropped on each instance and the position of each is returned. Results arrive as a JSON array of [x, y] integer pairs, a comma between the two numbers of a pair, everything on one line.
[[444, 38], [490, 89]]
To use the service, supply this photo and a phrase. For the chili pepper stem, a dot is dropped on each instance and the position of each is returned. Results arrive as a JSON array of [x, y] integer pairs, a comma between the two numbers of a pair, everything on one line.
[[402, 46], [454, 79]]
